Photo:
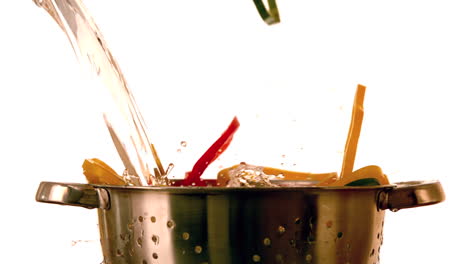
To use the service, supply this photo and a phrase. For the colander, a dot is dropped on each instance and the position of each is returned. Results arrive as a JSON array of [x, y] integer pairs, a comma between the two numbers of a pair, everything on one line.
[[174, 225]]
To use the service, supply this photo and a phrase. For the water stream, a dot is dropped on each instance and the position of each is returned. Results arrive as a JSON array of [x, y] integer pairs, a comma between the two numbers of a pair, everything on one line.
[[122, 116]]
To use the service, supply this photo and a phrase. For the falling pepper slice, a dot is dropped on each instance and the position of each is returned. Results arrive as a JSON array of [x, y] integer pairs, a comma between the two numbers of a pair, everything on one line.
[[193, 178]]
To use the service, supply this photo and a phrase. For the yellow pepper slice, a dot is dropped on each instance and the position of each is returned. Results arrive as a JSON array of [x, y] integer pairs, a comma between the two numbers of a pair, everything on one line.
[[97, 171], [371, 172]]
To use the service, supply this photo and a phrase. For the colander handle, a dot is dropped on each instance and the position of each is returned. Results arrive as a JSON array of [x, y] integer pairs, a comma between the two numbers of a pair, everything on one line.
[[411, 194], [75, 194]]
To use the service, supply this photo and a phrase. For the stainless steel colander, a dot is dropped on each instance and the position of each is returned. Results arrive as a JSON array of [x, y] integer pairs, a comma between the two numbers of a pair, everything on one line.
[[173, 225]]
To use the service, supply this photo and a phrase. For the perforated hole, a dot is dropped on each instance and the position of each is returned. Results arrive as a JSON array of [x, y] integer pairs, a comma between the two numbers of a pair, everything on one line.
[[256, 258], [281, 230], [198, 249], [170, 224]]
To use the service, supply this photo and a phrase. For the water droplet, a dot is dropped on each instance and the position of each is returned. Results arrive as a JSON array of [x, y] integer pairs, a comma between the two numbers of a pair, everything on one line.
[[308, 258], [280, 175], [155, 256], [267, 241], [144, 262], [139, 241], [183, 143], [140, 218], [279, 258], [122, 236], [198, 249], [281, 230], [170, 224], [183, 251], [256, 258], [185, 236], [372, 252], [311, 220], [339, 235], [310, 238], [119, 253], [292, 242], [297, 221], [130, 226], [179, 150], [169, 168], [155, 239], [153, 219]]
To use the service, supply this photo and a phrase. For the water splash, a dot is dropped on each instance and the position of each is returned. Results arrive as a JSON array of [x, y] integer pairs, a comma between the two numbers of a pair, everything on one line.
[[246, 175]]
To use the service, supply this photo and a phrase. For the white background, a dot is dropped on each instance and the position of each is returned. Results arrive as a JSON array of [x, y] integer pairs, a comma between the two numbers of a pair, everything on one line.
[[193, 65]]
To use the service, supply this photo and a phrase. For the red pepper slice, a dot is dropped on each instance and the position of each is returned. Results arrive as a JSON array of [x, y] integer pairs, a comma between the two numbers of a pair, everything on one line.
[[192, 178]]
